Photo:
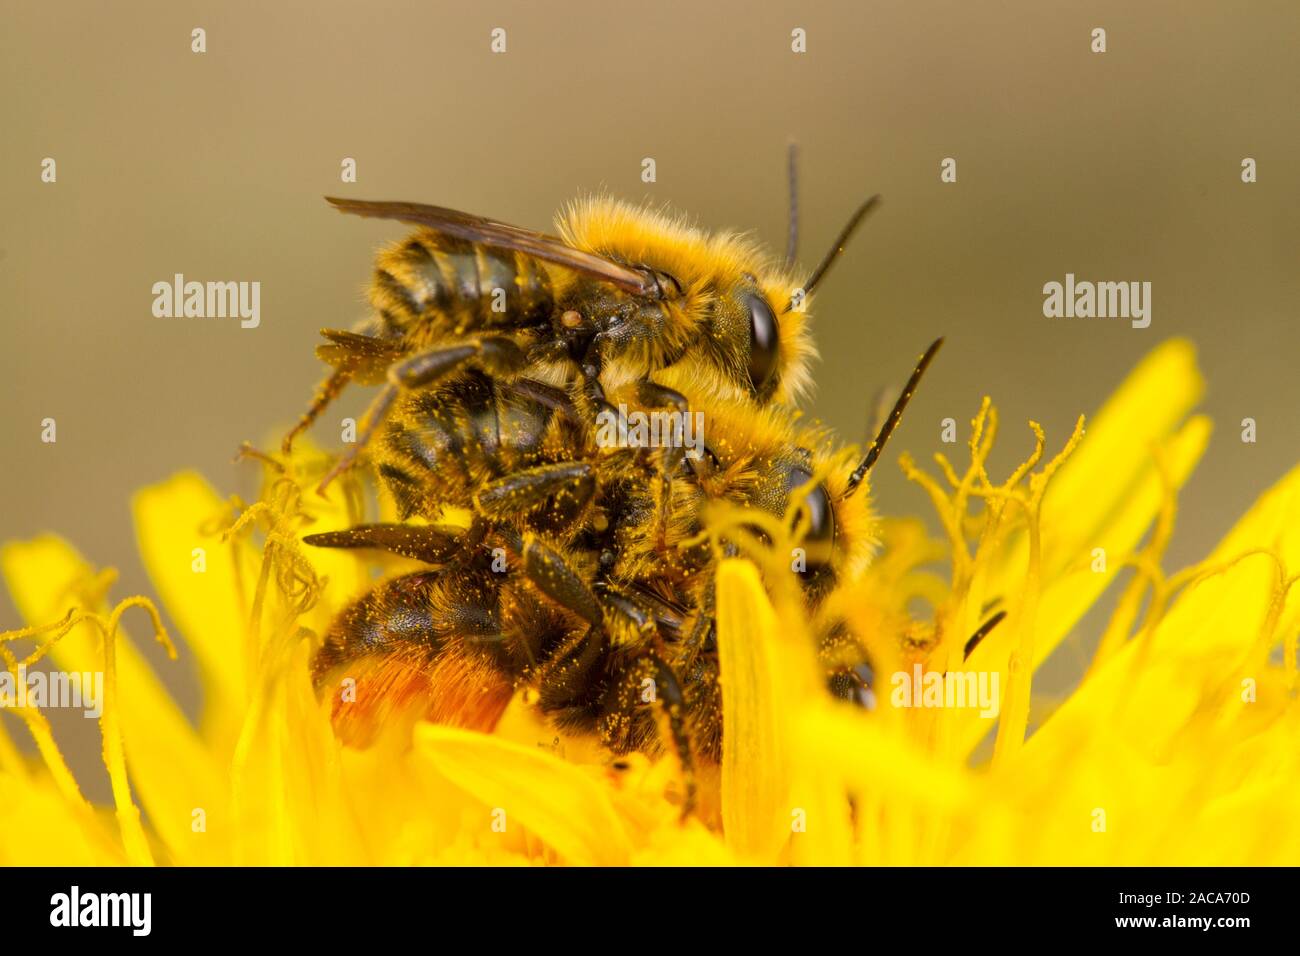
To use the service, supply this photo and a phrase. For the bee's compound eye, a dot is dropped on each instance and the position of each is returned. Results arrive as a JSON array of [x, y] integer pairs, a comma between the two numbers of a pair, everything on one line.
[[819, 542], [856, 686], [820, 539], [764, 341]]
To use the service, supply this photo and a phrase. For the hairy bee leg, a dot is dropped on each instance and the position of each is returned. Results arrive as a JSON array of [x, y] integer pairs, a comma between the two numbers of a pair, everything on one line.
[[631, 691], [566, 679], [590, 367], [377, 411], [668, 457], [629, 622], [655, 395], [433, 544], [371, 351], [614, 614], [551, 572], [674, 704], [557, 400], [694, 554], [355, 357], [704, 628], [495, 354], [326, 392], [573, 677], [572, 483]]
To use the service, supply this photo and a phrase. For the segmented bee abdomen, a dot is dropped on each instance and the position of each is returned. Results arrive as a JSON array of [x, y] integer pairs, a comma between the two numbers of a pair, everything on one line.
[[442, 443], [422, 645], [439, 445], [432, 280]]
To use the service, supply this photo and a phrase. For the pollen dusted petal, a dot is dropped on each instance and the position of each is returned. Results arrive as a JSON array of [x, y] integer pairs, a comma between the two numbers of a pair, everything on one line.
[[755, 751], [563, 804]]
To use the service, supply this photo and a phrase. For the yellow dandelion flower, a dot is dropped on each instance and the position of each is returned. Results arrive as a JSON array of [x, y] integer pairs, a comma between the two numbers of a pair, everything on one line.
[[1179, 745]]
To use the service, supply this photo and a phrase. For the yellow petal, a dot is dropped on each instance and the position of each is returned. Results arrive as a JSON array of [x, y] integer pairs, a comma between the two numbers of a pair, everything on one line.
[[1163, 738], [755, 755], [1116, 451], [873, 758], [1159, 688], [891, 778], [289, 802], [324, 828], [39, 828], [1068, 598], [563, 805], [168, 518], [1272, 522], [170, 769], [690, 844], [1075, 590]]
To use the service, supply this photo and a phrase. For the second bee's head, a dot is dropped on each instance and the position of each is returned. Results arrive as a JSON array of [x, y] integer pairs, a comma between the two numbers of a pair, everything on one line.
[[727, 307], [772, 462]]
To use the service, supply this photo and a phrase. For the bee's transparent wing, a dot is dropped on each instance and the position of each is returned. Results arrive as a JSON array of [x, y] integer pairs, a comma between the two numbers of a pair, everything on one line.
[[500, 235]]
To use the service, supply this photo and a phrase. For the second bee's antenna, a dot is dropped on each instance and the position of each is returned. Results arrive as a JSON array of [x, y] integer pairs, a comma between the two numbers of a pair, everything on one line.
[[887, 429], [840, 242], [792, 236]]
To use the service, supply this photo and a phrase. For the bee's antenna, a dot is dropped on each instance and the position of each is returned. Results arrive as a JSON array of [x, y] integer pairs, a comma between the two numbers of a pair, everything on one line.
[[878, 409], [878, 443], [840, 242], [792, 237]]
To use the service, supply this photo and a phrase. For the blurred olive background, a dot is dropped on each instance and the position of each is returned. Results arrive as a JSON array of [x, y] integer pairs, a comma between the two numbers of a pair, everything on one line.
[[1119, 166]]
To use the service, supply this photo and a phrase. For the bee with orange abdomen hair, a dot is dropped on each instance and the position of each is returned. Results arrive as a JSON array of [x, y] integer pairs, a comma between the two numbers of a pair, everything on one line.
[[613, 600], [498, 350]]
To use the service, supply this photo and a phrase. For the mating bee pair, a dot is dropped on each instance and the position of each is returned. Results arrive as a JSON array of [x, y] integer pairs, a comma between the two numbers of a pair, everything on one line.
[[496, 349]]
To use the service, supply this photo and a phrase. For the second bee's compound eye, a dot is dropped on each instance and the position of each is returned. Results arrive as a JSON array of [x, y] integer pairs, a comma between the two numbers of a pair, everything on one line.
[[764, 341], [821, 527], [819, 542]]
